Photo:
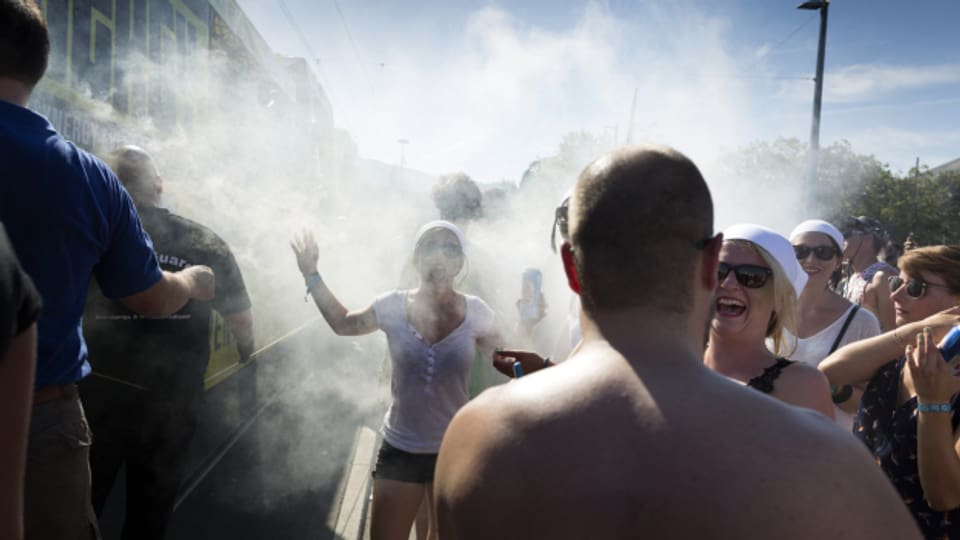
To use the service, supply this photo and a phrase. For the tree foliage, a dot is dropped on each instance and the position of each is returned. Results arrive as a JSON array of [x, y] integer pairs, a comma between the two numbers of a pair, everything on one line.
[[852, 184]]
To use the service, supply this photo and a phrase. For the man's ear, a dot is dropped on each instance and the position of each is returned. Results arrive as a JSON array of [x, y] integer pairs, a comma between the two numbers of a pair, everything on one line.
[[566, 253], [710, 260]]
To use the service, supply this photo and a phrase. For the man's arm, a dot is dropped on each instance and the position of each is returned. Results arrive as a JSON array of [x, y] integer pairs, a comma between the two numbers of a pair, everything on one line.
[[883, 304], [241, 326], [17, 369], [172, 292]]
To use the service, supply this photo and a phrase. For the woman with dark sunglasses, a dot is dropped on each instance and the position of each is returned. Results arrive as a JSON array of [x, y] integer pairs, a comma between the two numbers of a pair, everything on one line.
[[433, 334], [908, 416], [827, 321], [756, 300]]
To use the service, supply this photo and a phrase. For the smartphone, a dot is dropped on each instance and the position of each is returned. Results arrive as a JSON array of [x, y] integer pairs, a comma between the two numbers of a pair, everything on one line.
[[950, 346], [530, 293]]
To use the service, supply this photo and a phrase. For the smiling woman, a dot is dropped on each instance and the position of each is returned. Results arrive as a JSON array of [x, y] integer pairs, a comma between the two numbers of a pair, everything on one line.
[[909, 416], [760, 280], [826, 320]]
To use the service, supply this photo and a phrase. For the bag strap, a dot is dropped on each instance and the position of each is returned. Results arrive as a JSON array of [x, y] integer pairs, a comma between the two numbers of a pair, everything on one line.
[[843, 330]]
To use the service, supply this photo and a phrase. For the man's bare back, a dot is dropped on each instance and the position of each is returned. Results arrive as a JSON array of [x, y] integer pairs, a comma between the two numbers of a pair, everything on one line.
[[595, 448], [633, 436]]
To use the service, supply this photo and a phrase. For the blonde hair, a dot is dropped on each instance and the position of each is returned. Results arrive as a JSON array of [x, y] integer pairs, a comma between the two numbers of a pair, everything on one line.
[[784, 318]]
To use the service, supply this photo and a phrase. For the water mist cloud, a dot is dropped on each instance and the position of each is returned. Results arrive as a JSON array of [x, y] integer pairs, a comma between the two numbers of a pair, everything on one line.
[[505, 91]]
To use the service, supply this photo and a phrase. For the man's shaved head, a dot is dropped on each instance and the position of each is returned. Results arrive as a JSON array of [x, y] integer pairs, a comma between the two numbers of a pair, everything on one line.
[[637, 219], [138, 172]]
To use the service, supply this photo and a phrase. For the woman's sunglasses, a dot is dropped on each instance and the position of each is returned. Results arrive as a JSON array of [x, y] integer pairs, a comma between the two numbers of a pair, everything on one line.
[[750, 276], [824, 253], [915, 287], [450, 251]]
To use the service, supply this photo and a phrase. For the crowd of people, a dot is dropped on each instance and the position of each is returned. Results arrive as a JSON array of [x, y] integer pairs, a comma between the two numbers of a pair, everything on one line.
[[740, 384]]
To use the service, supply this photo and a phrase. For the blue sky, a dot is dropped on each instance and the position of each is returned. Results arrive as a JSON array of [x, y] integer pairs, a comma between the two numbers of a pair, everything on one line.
[[487, 87]]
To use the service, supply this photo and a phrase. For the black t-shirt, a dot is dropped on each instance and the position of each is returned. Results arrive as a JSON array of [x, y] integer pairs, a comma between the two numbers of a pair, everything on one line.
[[167, 355], [19, 301]]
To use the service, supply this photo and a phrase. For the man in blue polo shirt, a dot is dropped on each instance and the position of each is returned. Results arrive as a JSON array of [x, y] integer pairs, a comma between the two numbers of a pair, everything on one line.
[[69, 220]]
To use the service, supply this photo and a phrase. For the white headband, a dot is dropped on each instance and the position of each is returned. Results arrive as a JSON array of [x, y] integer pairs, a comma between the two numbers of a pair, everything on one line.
[[776, 245], [818, 226], [440, 224]]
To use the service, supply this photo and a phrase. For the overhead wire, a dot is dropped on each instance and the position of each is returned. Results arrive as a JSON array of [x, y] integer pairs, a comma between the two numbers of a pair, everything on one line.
[[779, 44], [314, 58], [356, 50]]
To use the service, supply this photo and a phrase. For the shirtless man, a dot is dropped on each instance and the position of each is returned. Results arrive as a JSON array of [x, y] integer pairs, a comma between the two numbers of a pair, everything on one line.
[[633, 435], [869, 284]]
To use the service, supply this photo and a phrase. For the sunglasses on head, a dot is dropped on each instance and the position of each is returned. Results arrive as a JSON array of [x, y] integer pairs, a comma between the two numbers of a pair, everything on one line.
[[750, 276], [824, 253], [915, 287]]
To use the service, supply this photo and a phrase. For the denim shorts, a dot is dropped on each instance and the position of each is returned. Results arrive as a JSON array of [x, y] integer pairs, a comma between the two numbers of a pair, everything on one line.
[[395, 464]]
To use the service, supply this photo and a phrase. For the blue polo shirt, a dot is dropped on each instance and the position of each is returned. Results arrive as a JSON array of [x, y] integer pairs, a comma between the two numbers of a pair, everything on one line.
[[69, 219]]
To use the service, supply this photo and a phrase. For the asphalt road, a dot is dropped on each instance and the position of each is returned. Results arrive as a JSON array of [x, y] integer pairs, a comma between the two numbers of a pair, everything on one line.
[[273, 444]]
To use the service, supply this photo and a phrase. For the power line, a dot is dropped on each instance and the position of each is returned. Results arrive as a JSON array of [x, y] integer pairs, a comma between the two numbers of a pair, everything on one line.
[[782, 41], [303, 39], [353, 44], [313, 58]]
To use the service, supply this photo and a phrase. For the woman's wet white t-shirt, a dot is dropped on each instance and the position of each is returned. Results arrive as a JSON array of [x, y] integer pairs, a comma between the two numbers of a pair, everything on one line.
[[430, 381]]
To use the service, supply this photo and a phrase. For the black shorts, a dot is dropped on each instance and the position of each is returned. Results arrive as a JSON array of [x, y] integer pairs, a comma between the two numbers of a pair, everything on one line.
[[395, 464]]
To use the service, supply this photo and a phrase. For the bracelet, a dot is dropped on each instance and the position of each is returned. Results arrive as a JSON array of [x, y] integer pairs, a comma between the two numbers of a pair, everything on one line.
[[935, 407], [312, 281], [840, 394]]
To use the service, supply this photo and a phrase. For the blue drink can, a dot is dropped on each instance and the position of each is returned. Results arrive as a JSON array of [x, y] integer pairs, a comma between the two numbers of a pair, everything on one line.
[[950, 346], [530, 293]]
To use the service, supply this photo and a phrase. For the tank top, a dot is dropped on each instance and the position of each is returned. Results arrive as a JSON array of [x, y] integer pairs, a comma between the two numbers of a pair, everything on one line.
[[764, 381]]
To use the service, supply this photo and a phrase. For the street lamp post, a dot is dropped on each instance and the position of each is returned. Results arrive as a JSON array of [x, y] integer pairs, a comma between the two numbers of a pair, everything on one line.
[[824, 7]]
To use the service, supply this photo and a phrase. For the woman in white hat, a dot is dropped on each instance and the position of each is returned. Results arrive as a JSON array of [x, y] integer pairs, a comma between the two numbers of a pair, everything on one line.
[[756, 301], [827, 321], [433, 333]]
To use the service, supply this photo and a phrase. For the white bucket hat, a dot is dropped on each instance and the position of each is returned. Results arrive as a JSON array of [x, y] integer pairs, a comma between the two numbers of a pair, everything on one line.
[[776, 245]]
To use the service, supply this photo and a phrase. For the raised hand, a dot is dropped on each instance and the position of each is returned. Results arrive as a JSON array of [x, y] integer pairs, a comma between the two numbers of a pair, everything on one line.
[[307, 252], [934, 380], [942, 322]]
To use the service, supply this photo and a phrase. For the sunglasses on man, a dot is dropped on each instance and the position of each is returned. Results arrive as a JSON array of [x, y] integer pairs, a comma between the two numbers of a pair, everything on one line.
[[915, 287], [824, 253], [750, 276]]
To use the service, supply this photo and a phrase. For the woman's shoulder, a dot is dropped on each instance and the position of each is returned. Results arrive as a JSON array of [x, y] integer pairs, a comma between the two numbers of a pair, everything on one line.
[[395, 295], [802, 374], [389, 303], [866, 322], [475, 302], [479, 309]]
